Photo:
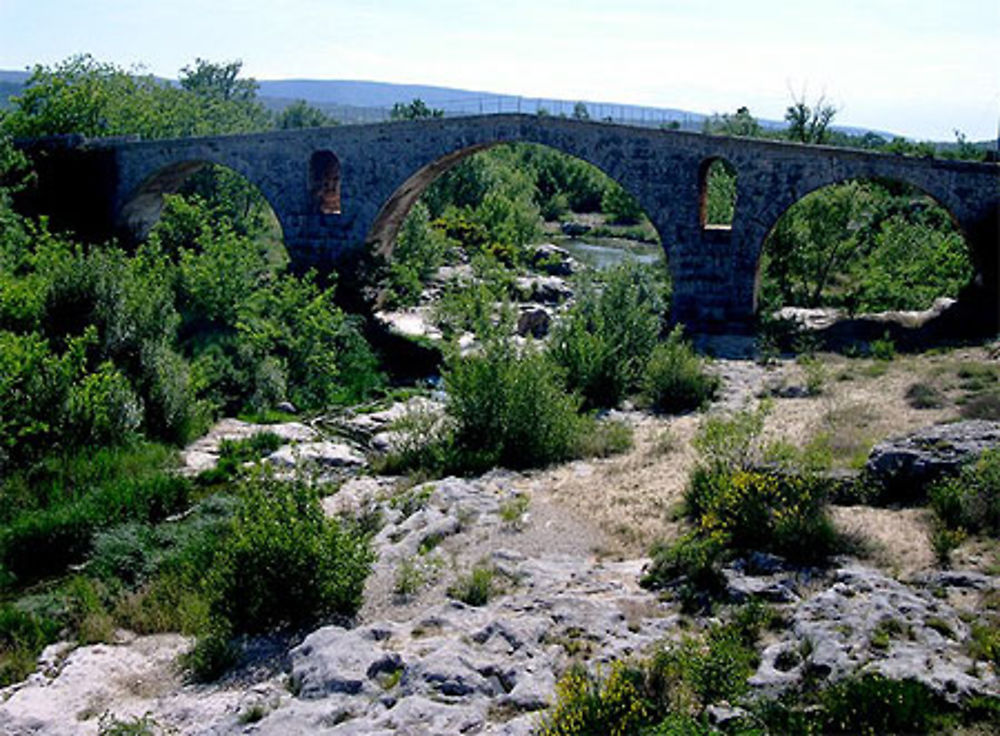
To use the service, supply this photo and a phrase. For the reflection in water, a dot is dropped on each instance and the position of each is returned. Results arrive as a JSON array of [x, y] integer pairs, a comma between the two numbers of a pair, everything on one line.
[[606, 255]]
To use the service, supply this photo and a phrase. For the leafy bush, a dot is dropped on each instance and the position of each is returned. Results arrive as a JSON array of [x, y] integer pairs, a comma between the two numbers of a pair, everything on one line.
[[620, 206], [102, 408], [33, 383], [866, 246], [283, 563], [774, 512], [972, 499], [509, 408], [22, 638], [608, 335], [674, 379], [663, 694], [694, 563], [588, 705], [728, 443], [420, 249]]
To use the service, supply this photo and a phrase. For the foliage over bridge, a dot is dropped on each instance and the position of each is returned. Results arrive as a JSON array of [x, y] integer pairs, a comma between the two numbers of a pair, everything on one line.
[[339, 191]]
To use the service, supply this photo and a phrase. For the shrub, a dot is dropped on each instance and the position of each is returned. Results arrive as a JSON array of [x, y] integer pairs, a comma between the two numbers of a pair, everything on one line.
[[212, 654], [102, 408], [924, 396], [123, 553], [588, 705], [785, 514], [665, 694], [604, 342], [620, 206], [972, 499], [33, 384], [883, 349], [509, 408], [674, 378], [693, 563], [815, 375], [985, 405], [873, 704], [602, 438], [144, 725], [420, 249], [22, 638], [728, 443], [284, 563]]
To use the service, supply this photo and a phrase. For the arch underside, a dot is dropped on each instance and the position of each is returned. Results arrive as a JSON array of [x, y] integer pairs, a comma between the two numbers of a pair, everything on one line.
[[142, 210], [385, 228], [978, 256]]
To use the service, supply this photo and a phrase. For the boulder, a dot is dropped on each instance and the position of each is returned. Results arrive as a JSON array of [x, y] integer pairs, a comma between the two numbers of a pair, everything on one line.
[[553, 260], [543, 289], [534, 321], [574, 229], [905, 466], [325, 454]]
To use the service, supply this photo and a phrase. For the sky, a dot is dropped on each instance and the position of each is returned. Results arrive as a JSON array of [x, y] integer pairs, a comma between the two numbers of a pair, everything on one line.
[[920, 68]]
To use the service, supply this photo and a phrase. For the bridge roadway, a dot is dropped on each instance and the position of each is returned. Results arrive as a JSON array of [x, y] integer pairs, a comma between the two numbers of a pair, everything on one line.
[[337, 191]]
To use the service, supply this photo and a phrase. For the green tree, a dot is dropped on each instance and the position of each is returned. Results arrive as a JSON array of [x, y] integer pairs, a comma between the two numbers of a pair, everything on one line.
[[580, 111], [415, 110], [300, 114], [218, 81], [741, 123], [82, 95], [808, 124]]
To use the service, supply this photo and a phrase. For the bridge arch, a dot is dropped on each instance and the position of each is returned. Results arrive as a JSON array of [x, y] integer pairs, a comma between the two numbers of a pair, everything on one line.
[[610, 160], [973, 254], [142, 209]]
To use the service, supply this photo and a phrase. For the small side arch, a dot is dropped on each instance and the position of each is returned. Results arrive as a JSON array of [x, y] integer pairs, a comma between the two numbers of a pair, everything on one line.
[[324, 183], [717, 195]]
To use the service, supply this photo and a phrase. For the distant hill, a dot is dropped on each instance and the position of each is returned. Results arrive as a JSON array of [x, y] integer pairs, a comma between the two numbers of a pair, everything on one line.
[[355, 101]]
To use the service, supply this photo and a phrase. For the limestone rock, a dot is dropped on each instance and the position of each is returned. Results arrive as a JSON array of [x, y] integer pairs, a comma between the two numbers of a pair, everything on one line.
[[323, 454], [910, 463], [865, 621], [543, 289], [553, 260]]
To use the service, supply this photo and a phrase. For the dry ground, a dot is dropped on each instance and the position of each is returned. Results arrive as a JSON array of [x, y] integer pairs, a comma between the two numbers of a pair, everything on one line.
[[634, 498]]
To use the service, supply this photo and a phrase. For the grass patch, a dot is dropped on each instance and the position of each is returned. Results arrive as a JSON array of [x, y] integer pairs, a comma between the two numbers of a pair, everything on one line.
[[475, 588], [512, 511], [924, 396]]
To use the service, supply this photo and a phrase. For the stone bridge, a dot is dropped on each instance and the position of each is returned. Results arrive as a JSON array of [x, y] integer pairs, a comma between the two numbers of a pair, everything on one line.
[[339, 190]]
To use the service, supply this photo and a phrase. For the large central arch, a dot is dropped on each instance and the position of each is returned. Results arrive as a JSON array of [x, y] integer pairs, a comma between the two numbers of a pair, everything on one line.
[[390, 217], [609, 157]]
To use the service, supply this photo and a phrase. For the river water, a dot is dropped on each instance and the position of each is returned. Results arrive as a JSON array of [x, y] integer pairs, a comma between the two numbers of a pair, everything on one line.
[[610, 252]]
